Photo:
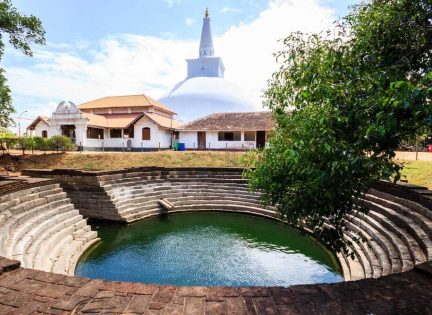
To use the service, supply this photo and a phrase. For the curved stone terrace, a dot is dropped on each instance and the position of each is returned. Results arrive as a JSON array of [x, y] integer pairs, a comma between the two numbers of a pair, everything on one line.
[[43, 226]]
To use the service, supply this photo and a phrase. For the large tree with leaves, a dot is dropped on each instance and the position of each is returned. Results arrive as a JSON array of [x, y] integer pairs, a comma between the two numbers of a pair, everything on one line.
[[21, 31], [343, 102]]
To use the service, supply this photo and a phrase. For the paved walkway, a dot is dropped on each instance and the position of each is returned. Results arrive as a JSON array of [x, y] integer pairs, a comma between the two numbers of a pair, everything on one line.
[[411, 156], [26, 291]]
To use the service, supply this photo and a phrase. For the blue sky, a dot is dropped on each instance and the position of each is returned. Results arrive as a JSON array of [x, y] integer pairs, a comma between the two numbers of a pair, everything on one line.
[[97, 48], [71, 20]]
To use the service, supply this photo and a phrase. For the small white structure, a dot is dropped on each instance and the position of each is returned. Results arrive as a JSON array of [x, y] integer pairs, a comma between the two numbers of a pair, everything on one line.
[[205, 90], [132, 123], [227, 131]]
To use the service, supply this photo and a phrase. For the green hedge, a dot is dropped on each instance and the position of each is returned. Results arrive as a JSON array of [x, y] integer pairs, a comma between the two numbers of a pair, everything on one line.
[[55, 143]]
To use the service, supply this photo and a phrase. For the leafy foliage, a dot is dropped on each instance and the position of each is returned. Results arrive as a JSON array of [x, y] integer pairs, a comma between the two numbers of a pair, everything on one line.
[[60, 143], [5, 136], [25, 143], [343, 102], [42, 144], [22, 31], [55, 143]]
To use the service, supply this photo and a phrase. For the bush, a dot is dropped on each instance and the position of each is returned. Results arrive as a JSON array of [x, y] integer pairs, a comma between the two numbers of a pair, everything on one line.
[[41, 143], [60, 143], [25, 143], [7, 139]]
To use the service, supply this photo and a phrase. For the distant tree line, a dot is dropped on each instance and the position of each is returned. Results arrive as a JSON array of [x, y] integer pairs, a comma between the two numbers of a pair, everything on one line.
[[28, 143]]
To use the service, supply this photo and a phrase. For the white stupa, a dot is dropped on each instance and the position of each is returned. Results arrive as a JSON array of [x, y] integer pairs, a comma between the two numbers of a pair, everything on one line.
[[205, 91]]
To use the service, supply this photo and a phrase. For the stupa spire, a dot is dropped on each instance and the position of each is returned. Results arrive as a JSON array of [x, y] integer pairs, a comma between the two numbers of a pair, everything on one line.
[[206, 44], [206, 65]]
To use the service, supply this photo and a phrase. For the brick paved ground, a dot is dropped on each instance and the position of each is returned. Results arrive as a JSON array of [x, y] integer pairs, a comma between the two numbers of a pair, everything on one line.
[[26, 291]]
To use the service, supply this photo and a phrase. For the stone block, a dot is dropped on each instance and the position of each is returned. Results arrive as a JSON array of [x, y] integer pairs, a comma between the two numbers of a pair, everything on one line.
[[192, 291], [194, 306], [219, 293], [165, 294], [90, 289], [215, 308], [138, 304]]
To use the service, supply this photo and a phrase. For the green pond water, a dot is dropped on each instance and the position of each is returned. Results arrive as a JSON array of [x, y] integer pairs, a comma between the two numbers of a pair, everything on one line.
[[208, 249]]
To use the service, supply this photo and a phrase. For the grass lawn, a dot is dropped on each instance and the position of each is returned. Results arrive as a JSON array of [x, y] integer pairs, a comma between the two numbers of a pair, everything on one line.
[[418, 172], [110, 161]]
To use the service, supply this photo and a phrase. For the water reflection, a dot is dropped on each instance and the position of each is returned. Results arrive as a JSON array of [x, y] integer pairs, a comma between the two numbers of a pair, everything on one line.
[[208, 249]]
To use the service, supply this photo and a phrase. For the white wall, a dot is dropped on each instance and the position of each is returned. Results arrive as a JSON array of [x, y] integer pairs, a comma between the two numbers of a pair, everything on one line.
[[41, 126], [190, 138], [165, 136], [158, 135]]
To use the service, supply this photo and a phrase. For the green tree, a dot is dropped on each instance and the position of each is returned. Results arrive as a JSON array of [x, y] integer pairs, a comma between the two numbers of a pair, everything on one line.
[[26, 143], [41, 143], [5, 135], [343, 102], [22, 31], [60, 143]]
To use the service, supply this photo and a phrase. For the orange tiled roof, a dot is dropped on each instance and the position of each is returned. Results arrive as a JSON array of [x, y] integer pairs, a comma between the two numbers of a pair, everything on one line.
[[36, 121], [163, 121], [125, 120], [232, 121], [124, 101], [111, 121]]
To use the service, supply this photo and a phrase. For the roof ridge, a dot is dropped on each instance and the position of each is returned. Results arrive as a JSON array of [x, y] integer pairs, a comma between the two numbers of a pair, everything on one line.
[[249, 112], [257, 120], [135, 100], [198, 119]]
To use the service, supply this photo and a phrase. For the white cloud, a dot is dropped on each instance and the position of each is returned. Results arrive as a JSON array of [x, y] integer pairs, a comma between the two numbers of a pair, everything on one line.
[[248, 49], [171, 3], [134, 64], [189, 21], [230, 10]]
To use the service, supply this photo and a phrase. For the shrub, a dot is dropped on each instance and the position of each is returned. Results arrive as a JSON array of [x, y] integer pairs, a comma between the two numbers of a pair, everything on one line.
[[25, 143], [41, 143], [7, 139], [60, 143]]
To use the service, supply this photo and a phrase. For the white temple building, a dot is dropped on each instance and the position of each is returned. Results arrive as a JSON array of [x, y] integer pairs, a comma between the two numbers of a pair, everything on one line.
[[130, 123], [205, 90]]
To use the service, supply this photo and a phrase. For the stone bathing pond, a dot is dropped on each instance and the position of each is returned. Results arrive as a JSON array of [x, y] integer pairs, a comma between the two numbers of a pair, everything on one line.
[[207, 249], [217, 235]]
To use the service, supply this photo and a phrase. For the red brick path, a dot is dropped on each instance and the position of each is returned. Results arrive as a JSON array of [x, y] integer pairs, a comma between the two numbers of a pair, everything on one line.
[[26, 291]]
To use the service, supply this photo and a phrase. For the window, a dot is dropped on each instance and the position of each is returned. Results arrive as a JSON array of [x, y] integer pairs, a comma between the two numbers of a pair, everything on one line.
[[95, 133], [44, 134], [115, 133], [146, 133], [129, 132], [249, 135], [229, 136]]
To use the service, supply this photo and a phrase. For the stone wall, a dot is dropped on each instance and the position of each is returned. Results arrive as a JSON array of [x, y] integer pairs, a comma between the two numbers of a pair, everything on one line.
[[88, 192], [84, 190]]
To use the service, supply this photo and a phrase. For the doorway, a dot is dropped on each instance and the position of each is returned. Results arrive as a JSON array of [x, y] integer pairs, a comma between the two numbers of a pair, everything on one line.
[[260, 139], [201, 140], [68, 131]]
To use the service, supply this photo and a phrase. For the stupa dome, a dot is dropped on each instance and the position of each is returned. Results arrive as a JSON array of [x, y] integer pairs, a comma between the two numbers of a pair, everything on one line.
[[200, 96]]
